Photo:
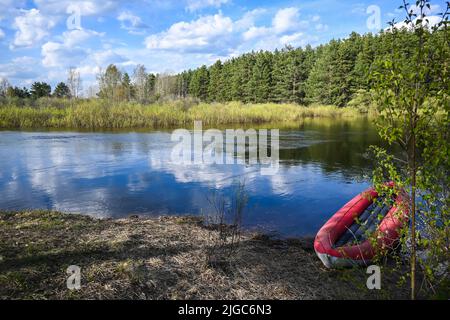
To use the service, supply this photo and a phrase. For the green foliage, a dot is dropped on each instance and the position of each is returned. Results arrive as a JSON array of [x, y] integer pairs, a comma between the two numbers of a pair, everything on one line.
[[412, 93], [198, 86], [15, 92], [215, 82], [40, 89], [127, 88], [261, 80], [62, 91], [109, 83], [362, 101]]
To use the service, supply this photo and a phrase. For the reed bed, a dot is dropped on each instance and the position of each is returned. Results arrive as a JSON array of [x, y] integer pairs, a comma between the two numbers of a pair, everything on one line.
[[99, 114]]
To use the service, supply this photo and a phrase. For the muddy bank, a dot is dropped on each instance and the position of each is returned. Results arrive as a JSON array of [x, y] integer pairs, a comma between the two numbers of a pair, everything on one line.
[[164, 258]]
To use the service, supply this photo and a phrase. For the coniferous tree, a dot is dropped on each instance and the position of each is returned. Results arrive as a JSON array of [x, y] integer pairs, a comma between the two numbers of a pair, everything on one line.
[[215, 81], [127, 87], [364, 62], [344, 78], [198, 86], [281, 77], [62, 91], [16, 92], [320, 87], [40, 89], [261, 80]]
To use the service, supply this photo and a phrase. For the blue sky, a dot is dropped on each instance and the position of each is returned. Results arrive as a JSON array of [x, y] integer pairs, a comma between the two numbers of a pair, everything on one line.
[[41, 39]]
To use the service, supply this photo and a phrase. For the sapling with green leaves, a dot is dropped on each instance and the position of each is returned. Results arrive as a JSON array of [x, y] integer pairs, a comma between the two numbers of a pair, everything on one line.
[[411, 92]]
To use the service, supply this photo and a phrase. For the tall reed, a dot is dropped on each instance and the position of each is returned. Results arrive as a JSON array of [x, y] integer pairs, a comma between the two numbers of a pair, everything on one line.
[[100, 114]]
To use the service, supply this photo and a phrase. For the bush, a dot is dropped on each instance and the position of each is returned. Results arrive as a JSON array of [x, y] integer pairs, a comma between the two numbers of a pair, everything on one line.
[[362, 101]]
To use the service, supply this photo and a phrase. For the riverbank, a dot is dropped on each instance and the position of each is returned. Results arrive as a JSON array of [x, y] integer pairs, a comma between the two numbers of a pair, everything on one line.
[[162, 258], [98, 114]]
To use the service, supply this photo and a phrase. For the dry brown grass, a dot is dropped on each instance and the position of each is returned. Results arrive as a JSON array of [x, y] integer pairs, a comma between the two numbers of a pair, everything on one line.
[[162, 258]]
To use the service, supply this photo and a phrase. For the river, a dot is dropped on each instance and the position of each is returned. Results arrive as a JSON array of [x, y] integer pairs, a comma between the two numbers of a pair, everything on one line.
[[118, 174]]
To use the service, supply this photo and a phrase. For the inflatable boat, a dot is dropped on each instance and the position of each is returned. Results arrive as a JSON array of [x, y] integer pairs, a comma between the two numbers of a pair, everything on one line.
[[367, 223]]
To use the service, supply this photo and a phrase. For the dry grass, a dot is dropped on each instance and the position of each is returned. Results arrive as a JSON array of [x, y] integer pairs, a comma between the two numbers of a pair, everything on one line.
[[162, 258], [99, 114]]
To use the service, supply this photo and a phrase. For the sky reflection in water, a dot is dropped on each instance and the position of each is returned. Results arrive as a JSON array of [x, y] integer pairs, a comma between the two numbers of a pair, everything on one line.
[[119, 174]]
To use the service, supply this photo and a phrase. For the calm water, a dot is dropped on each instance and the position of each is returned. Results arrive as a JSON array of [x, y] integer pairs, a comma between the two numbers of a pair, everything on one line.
[[119, 174]]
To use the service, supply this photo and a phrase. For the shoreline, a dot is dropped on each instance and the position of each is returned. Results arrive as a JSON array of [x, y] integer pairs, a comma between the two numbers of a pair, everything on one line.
[[162, 258]]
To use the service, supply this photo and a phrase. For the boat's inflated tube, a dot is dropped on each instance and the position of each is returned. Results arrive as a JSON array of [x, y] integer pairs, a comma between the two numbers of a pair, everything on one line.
[[365, 224]]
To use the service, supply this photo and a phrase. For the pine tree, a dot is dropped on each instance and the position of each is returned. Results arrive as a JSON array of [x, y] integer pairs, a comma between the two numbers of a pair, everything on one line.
[[319, 84], [225, 89], [281, 77], [261, 81], [364, 62], [344, 77], [62, 91], [199, 83], [215, 81], [40, 89], [242, 69], [127, 87]]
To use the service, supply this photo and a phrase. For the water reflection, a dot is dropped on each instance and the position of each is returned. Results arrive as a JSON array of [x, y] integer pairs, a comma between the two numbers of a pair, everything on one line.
[[118, 174]]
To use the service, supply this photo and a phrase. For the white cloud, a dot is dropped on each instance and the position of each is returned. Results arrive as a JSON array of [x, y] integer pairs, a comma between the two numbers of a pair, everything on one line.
[[104, 58], [430, 22], [286, 20], [256, 32], [401, 13], [206, 32], [194, 5], [220, 35], [9, 8], [68, 52], [434, 8], [22, 68], [31, 27], [321, 27], [91, 7], [249, 19], [2, 34], [76, 37], [56, 54], [292, 38], [130, 22]]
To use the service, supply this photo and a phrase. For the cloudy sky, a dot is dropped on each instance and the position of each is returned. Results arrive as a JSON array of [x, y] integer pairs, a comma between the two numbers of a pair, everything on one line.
[[41, 39]]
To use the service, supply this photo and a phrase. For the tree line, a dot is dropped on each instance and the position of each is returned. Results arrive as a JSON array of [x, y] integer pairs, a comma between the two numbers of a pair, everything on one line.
[[332, 73]]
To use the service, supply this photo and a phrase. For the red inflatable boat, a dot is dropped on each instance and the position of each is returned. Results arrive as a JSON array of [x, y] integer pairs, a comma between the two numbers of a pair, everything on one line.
[[344, 239]]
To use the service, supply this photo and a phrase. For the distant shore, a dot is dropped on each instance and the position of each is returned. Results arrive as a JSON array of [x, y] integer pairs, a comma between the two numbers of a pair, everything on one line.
[[100, 114], [161, 258]]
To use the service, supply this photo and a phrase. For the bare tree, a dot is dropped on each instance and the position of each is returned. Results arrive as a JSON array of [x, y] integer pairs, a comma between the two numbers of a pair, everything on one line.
[[92, 91], [74, 82], [140, 82], [166, 85], [4, 85]]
